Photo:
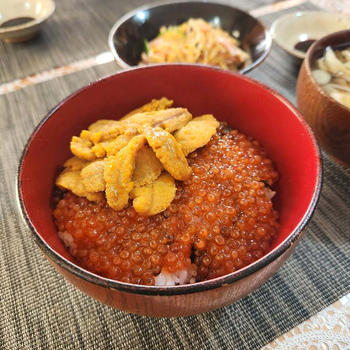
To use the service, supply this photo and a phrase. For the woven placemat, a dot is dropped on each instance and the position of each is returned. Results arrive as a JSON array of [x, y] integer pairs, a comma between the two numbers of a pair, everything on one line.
[[40, 310], [78, 29]]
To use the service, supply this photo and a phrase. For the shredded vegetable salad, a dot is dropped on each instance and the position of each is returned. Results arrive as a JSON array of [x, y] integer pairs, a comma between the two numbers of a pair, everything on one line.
[[195, 41]]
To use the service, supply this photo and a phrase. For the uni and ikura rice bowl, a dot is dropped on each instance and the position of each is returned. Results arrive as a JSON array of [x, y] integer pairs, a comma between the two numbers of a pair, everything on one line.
[[162, 197]]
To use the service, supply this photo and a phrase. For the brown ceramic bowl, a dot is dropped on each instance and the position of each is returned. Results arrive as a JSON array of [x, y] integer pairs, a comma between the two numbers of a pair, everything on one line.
[[20, 20], [304, 26], [242, 102], [328, 118]]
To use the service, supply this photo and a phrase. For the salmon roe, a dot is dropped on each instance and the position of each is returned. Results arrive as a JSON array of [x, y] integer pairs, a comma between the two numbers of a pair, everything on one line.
[[221, 219]]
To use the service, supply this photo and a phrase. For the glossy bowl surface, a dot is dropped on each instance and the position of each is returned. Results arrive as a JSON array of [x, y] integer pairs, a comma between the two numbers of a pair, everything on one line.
[[28, 14], [242, 102], [300, 26], [126, 38], [329, 119]]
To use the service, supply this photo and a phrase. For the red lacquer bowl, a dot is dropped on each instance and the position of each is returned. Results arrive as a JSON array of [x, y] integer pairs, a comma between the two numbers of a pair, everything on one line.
[[245, 104]]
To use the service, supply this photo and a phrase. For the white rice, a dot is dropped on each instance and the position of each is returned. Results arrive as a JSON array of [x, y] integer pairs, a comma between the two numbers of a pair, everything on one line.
[[184, 276], [269, 193], [67, 239]]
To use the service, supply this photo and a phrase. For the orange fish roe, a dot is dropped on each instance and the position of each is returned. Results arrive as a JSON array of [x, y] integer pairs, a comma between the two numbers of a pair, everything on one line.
[[221, 219]]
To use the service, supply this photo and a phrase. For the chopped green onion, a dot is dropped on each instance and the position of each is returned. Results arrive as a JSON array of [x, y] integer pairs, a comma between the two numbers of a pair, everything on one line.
[[181, 33], [145, 46]]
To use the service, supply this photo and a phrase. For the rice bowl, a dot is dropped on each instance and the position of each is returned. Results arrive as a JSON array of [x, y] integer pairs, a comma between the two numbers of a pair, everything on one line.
[[277, 125]]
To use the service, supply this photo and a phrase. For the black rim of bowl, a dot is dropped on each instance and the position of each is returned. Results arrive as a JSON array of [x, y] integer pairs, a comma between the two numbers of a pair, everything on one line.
[[124, 65], [186, 288]]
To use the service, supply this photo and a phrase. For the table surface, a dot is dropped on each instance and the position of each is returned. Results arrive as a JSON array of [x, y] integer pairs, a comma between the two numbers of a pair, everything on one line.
[[41, 60], [330, 327]]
